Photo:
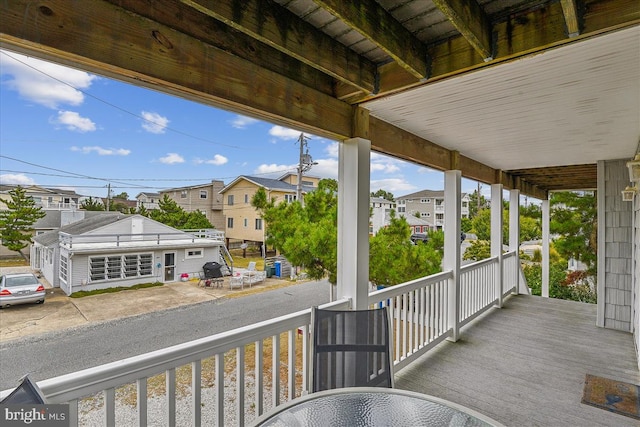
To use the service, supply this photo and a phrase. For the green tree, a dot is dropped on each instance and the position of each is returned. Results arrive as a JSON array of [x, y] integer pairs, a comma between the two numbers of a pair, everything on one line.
[[394, 259], [124, 196], [474, 204], [91, 204], [478, 250], [383, 195], [530, 228], [143, 211], [16, 222], [574, 219], [169, 213], [196, 220]]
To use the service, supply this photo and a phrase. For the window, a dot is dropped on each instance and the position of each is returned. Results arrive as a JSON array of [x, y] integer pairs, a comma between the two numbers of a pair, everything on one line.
[[401, 209], [258, 223], [401, 202], [465, 204], [230, 200], [289, 198], [183, 194], [425, 214], [425, 200], [194, 253], [246, 223], [116, 267], [64, 268], [440, 217], [246, 199], [203, 194], [229, 222]]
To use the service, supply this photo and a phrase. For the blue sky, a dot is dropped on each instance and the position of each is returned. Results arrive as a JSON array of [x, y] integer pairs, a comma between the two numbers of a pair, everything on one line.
[[65, 128]]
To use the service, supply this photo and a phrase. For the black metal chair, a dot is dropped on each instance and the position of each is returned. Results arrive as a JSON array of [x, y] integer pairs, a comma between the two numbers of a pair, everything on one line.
[[27, 392], [351, 348]]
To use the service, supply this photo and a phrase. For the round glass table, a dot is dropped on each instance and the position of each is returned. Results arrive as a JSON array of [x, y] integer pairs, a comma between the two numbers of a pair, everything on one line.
[[365, 406]]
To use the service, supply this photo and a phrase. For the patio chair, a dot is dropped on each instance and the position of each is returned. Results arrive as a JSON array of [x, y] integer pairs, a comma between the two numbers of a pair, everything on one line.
[[350, 348], [27, 392]]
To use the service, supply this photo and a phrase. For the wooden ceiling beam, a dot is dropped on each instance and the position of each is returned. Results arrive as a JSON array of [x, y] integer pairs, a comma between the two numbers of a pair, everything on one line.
[[375, 23], [275, 26], [570, 12], [472, 23]]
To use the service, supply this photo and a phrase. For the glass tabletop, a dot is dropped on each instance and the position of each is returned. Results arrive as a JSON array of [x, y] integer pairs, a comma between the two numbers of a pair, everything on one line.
[[372, 407]]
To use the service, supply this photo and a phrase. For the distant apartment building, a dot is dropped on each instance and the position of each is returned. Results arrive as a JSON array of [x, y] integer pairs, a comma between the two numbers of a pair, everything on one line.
[[45, 198], [380, 214], [206, 198], [147, 200], [243, 222], [428, 205]]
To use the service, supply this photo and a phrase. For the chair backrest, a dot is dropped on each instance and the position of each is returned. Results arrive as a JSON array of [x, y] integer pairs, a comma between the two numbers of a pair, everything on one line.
[[27, 392], [251, 266], [351, 349]]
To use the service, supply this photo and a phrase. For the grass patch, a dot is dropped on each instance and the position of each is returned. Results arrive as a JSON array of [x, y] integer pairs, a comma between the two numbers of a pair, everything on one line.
[[13, 262], [81, 294]]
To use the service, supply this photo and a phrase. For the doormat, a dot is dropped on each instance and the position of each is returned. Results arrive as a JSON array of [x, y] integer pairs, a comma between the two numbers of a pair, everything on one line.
[[614, 396]]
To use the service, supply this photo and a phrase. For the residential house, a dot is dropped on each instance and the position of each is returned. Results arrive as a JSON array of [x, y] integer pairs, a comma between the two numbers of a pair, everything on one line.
[[429, 205], [119, 250], [204, 197], [46, 198], [147, 200], [380, 214], [243, 221], [539, 97]]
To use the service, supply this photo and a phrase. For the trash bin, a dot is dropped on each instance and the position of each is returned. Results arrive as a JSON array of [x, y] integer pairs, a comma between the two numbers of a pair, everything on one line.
[[278, 268], [270, 271]]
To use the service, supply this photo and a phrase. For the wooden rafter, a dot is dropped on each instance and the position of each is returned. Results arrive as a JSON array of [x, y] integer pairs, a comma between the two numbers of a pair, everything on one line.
[[275, 26], [371, 20], [571, 17], [470, 20]]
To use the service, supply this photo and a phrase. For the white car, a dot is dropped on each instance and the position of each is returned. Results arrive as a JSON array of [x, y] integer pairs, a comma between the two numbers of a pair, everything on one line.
[[20, 288]]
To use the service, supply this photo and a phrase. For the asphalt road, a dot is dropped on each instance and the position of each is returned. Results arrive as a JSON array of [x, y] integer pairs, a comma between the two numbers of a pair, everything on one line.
[[70, 350]]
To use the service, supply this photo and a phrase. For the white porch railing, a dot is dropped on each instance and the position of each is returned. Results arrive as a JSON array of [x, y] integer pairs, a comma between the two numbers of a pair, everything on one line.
[[247, 371]]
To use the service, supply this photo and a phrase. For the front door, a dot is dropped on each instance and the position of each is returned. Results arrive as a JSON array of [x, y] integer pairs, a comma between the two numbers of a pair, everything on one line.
[[169, 266]]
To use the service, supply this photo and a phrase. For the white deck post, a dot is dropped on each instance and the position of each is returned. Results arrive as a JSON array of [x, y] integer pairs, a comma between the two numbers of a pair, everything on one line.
[[496, 237], [353, 221], [546, 218], [451, 260], [514, 233]]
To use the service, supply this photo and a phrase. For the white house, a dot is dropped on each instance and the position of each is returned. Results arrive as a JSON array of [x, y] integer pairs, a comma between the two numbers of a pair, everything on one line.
[[119, 250], [380, 213]]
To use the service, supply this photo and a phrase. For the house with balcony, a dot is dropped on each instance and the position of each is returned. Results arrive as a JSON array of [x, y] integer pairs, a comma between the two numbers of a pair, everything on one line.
[[527, 97], [205, 198], [46, 198], [147, 200], [114, 249], [428, 205], [380, 213], [243, 222]]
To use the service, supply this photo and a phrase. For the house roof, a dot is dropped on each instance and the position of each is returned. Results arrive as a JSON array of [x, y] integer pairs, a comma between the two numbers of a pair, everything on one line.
[[413, 220], [191, 187], [5, 188], [154, 195], [425, 193], [380, 200], [80, 227], [268, 184], [527, 93]]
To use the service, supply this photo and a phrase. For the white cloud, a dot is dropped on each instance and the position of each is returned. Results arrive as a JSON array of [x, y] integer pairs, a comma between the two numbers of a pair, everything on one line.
[[218, 160], [154, 122], [241, 122], [284, 133], [171, 158], [326, 168], [18, 179], [333, 149], [384, 167], [273, 170], [74, 122], [42, 82], [393, 185], [102, 151]]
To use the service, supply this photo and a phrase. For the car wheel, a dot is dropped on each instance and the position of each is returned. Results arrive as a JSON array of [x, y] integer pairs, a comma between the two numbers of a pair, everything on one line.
[[40, 302]]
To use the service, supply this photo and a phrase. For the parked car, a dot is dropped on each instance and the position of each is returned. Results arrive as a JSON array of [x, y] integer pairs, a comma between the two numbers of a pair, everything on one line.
[[21, 288], [419, 238]]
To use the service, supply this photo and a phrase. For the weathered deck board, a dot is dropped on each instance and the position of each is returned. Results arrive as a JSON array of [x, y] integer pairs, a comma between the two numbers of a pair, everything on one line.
[[525, 364]]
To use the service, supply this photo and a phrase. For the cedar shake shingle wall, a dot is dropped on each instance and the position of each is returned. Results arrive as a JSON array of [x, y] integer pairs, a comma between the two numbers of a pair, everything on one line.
[[636, 268], [618, 254]]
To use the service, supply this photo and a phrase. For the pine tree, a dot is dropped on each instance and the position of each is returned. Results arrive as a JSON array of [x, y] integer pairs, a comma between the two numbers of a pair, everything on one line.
[[16, 222]]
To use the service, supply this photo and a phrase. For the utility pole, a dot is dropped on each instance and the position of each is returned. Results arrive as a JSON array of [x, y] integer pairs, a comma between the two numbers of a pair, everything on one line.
[[304, 165], [108, 196]]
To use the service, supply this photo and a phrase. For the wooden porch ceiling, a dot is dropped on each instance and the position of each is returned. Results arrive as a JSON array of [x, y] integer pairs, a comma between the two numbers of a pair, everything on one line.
[[327, 66]]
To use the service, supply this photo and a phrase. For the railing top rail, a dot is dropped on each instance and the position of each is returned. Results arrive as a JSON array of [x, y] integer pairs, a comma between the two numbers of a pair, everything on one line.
[[92, 380], [478, 264], [402, 288], [509, 254]]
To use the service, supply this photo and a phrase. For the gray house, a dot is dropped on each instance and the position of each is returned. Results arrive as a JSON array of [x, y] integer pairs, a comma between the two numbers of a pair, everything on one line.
[[119, 250]]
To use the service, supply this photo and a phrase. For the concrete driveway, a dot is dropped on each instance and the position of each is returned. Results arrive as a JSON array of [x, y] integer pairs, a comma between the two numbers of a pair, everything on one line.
[[60, 311]]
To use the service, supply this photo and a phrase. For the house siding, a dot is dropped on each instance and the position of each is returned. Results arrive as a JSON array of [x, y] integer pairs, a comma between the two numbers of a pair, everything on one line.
[[211, 206], [635, 254], [617, 263]]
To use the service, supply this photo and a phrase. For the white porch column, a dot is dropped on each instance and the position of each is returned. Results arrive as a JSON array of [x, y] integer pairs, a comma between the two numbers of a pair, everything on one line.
[[451, 260], [546, 219], [496, 236], [514, 233], [353, 221]]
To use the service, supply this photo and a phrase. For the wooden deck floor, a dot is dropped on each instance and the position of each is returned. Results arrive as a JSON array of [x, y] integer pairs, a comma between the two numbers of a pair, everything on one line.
[[525, 364]]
